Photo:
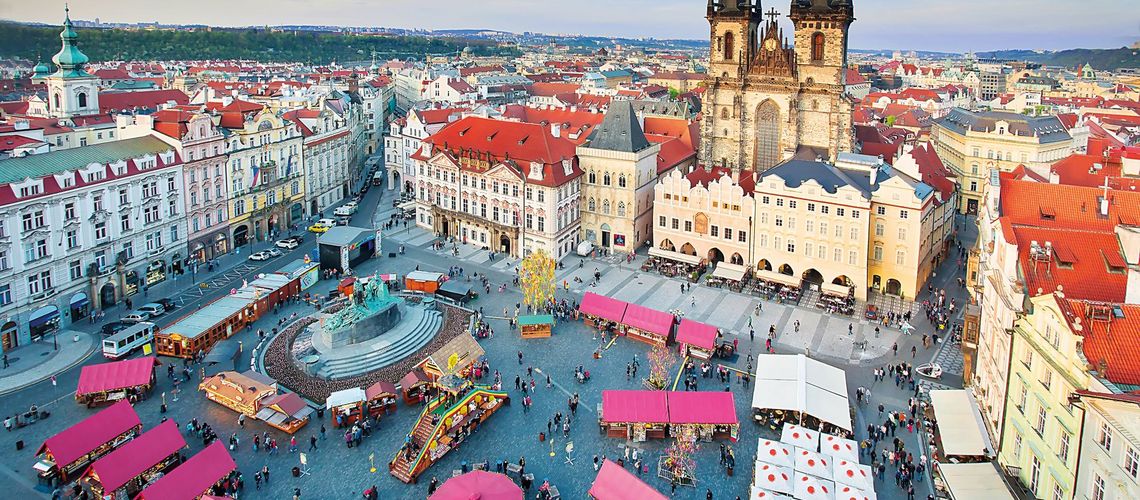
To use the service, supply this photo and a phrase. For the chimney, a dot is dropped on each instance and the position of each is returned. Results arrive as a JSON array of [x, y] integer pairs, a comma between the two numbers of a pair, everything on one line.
[[556, 129], [874, 174], [1103, 205], [1054, 177]]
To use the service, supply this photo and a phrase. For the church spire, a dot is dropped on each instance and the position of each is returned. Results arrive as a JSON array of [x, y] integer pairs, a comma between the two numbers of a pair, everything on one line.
[[69, 58]]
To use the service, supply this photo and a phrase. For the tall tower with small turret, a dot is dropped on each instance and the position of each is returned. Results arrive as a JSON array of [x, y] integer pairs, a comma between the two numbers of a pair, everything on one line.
[[72, 91]]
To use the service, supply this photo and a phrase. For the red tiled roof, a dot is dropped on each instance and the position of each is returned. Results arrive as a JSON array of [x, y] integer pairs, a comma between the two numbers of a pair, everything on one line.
[[10, 142], [112, 74], [520, 143], [148, 99], [14, 107], [434, 116], [1076, 207], [578, 121], [702, 177], [1113, 342], [673, 152], [551, 89], [460, 86], [475, 70], [1076, 264], [685, 130], [933, 171], [854, 78]]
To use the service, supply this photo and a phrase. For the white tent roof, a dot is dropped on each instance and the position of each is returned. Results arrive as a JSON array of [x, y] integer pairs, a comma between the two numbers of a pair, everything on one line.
[[838, 447], [775, 452], [773, 477], [798, 383], [728, 271], [813, 464], [980, 481], [346, 397], [675, 256], [759, 493], [845, 492], [957, 424], [853, 474], [813, 488]]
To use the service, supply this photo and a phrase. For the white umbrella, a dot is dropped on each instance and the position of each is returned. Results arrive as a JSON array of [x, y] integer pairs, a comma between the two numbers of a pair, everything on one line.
[[775, 452], [800, 437], [849, 493], [838, 447], [759, 493], [813, 488], [853, 474], [815, 464], [773, 477]]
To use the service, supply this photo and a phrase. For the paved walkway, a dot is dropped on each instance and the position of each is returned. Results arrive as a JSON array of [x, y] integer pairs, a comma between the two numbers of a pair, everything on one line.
[[36, 362]]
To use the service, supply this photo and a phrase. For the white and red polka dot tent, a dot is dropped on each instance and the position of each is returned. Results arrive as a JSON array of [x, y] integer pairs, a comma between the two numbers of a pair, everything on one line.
[[813, 488], [838, 447], [773, 478], [853, 474], [759, 493], [849, 493], [800, 437], [775, 452], [812, 463]]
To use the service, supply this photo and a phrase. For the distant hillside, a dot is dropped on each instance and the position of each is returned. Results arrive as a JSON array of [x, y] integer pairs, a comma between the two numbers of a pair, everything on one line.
[[31, 42], [1103, 59]]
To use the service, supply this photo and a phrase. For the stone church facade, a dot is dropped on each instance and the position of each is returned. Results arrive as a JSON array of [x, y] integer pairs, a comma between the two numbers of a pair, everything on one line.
[[767, 101]]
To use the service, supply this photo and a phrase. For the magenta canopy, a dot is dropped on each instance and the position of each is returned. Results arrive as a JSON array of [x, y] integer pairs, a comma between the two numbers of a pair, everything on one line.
[[603, 307], [478, 485], [196, 475], [696, 334], [130, 460], [635, 407], [615, 483], [116, 375], [709, 407], [94, 431], [648, 320]]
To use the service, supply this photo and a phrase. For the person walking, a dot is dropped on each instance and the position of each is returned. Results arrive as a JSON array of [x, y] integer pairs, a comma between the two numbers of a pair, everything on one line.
[[312, 443]]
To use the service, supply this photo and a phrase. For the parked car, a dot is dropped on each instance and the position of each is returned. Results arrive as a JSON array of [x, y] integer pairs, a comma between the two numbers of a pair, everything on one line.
[[273, 252], [289, 243], [153, 309], [135, 317], [113, 327], [260, 256], [346, 209], [321, 226], [168, 304]]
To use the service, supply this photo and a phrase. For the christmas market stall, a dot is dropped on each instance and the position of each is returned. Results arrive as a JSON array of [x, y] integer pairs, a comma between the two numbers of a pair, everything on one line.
[[696, 339], [536, 326], [194, 478], [479, 484], [647, 325], [452, 361], [346, 406], [793, 388], [122, 473], [240, 392], [381, 398], [600, 311], [67, 454], [616, 483], [414, 386], [200, 330], [287, 412], [704, 415], [456, 291], [128, 379], [634, 415], [423, 281]]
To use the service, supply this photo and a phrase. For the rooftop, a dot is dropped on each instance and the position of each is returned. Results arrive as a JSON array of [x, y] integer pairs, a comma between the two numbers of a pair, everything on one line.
[[35, 166]]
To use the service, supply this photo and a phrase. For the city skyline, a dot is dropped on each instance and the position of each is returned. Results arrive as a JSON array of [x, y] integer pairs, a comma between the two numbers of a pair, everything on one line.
[[1014, 24]]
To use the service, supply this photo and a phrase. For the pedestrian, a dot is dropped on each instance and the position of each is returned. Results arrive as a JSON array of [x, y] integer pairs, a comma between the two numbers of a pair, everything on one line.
[[596, 462], [913, 351], [708, 494], [265, 473], [520, 357], [312, 443], [241, 420]]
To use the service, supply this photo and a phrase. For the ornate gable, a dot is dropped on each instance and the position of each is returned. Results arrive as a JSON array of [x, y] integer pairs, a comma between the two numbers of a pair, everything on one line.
[[773, 57]]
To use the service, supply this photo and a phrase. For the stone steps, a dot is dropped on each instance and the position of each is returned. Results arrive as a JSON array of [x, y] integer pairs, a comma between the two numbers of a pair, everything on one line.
[[422, 333]]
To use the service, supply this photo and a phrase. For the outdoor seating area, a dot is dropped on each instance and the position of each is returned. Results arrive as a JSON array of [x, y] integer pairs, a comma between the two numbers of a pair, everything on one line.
[[643, 415], [809, 465], [105, 383], [954, 423], [672, 264], [774, 286], [792, 388], [733, 276], [836, 299]]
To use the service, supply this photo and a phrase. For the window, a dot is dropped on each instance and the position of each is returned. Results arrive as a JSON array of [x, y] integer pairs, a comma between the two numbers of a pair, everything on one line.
[[150, 214], [823, 228], [809, 226], [4, 265], [1063, 447], [791, 203], [779, 202], [1047, 377], [728, 233], [1016, 445], [840, 212], [855, 214], [791, 223], [824, 209], [851, 257], [1042, 414], [75, 270], [779, 221], [817, 47], [1021, 399], [1104, 437], [878, 253], [1131, 461], [69, 210], [173, 233], [728, 46], [1058, 492], [714, 231], [1027, 359], [688, 225], [100, 230], [878, 229], [881, 211], [1034, 474], [1097, 487], [661, 220], [900, 257], [150, 189], [765, 200], [621, 181], [676, 223], [811, 207], [742, 236], [5, 294], [606, 179], [153, 241], [904, 214], [791, 246], [72, 237], [902, 233], [123, 196], [855, 233]]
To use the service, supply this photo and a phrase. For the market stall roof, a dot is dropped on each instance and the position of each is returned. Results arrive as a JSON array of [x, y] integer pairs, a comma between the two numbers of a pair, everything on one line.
[[970, 481], [813, 488], [854, 474], [800, 438], [536, 319], [116, 375], [646, 319], [455, 287], [957, 423], [675, 256], [345, 235], [197, 474], [836, 290], [780, 278], [90, 433], [648, 407], [697, 334], [702, 407], [126, 462], [813, 464], [456, 354], [846, 492], [616, 483], [193, 325], [352, 395], [478, 484], [424, 276], [798, 383], [226, 351], [839, 448], [277, 409], [379, 389], [734, 272], [775, 452], [412, 378], [603, 307], [758, 493], [237, 386], [772, 477]]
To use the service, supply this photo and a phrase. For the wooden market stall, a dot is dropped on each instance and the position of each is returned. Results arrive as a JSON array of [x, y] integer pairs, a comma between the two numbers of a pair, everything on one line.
[[647, 325], [240, 392], [200, 330], [346, 406], [110, 382], [414, 386], [536, 325], [452, 362], [634, 415], [67, 454], [381, 398], [122, 473], [696, 339], [599, 310], [287, 412], [423, 281], [194, 478], [705, 415]]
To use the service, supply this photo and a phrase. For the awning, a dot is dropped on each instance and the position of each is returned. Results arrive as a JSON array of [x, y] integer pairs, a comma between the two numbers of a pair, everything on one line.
[[379, 389], [80, 439], [981, 481], [729, 271], [43, 315], [412, 378], [839, 448], [797, 383], [116, 375], [649, 320], [779, 278], [345, 397], [191, 479], [854, 474], [536, 319], [479, 484], [128, 461], [799, 438], [773, 477], [675, 256], [836, 290], [696, 334], [775, 452], [702, 407], [813, 488], [79, 300], [957, 424], [635, 407], [813, 464], [616, 483], [603, 307]]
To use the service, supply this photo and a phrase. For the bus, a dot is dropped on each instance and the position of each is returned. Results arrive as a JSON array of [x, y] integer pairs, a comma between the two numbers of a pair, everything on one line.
[[133, 337]]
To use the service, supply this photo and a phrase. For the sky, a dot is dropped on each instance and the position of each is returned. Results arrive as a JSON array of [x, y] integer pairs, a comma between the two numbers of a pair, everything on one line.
[[938, 25]]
